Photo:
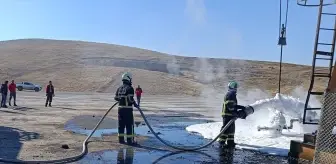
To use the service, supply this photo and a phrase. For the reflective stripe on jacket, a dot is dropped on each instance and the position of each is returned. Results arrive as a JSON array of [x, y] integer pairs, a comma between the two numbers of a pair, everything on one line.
[[230, 104]]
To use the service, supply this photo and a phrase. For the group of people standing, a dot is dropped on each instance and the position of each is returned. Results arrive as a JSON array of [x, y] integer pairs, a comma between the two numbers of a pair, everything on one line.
[[50, 93], [4, 93], [124, 95]]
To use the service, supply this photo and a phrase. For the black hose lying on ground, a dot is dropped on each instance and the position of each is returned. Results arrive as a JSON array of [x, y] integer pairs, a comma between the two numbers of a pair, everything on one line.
[[244, 113], [69, 159], [249, 110]]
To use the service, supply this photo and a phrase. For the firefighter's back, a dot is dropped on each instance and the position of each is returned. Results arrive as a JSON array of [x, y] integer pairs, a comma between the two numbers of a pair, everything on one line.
[[124, 93]]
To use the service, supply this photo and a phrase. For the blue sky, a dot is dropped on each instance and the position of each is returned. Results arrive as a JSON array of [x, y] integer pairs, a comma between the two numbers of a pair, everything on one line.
[[210, 28]]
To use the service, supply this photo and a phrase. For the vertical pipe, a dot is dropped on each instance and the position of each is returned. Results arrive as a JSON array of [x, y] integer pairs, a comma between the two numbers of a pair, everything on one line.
[[279, 87]]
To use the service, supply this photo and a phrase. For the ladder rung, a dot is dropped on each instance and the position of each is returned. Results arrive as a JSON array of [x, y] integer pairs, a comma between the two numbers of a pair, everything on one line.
[[327, 44], [321, 75], [328, 14], [311, 123], [329, 29], [324, 58], [323, 53], [316, 93], [313, 109]]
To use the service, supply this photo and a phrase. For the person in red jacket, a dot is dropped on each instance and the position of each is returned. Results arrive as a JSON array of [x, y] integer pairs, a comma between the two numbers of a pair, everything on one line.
[[50, 93], [138, 92], [12, 93]]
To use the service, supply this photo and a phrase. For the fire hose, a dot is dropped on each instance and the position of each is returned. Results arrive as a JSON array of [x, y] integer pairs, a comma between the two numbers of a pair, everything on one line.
[[69, 159], [243, 113], [248, 110]]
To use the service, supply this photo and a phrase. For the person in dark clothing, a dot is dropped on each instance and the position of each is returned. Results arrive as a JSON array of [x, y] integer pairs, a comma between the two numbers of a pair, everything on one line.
[[12, 93], [50, 93], [125, 96], [127, 158], [4, 93], [138, 93], [229, 111]]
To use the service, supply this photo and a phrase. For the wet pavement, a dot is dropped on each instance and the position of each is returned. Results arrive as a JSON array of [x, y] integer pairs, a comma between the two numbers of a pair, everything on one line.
[[153, 151], [131, 155]]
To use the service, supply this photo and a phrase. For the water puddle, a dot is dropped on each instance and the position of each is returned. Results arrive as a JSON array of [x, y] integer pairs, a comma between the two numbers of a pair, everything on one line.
[[84, 124], [136, 156], [132, 155], [173, 132]]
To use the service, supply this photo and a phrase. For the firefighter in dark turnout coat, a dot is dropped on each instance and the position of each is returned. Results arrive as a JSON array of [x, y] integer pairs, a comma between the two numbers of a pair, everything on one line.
[[125, 96], [229, 110]]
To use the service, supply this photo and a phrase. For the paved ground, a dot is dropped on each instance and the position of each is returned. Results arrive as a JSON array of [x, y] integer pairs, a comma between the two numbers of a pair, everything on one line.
[[31, 126], [34, 132]]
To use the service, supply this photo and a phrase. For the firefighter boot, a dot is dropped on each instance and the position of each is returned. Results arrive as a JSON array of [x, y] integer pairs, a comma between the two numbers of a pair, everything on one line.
[[121, 140], [231, 144], [49, 104], [131, 142]]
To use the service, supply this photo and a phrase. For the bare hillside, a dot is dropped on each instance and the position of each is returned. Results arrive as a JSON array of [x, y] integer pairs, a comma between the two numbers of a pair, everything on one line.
[[77, 66]]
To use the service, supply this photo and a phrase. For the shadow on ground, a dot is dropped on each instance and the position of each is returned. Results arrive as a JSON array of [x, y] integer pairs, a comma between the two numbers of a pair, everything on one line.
[[65, 108], [11, 141], [24, 108], [11, 112]]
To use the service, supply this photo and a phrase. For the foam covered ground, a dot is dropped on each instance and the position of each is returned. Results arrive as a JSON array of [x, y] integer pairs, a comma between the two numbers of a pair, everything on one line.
[[247, 135]]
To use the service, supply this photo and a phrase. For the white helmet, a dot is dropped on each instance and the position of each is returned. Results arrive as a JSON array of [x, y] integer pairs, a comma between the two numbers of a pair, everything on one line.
[[126, 76]]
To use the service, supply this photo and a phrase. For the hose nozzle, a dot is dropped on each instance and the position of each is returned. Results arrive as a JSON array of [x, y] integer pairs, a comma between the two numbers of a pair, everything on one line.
[[242, 114]]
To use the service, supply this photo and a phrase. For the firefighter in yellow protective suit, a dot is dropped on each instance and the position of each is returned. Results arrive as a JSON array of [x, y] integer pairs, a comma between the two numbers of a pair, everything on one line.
[[229, 111], [125, 96]]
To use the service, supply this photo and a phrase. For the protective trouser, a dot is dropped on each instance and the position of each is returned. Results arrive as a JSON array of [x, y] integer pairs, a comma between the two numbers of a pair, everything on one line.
[[138, 100], [121, 159], [12, 95], [126, 120], [228, 134], [49, 99]]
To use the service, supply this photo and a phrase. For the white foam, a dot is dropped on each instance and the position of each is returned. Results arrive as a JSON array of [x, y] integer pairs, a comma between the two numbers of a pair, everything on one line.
[[247, 135]]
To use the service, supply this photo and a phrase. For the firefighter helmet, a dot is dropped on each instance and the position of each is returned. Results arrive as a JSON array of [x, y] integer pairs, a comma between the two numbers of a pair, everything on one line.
[[233, 85], [126, 76]]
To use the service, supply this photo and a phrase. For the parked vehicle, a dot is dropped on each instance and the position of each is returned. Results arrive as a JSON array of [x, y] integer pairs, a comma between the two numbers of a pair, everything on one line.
[[28, 86]]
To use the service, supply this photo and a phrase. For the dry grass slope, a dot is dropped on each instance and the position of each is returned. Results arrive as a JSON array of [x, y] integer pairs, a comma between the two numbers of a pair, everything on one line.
[[77, 66]]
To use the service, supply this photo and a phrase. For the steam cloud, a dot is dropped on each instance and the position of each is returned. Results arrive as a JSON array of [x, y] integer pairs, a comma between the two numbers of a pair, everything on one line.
[[173, 67], [204, 71], [214, 76]]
